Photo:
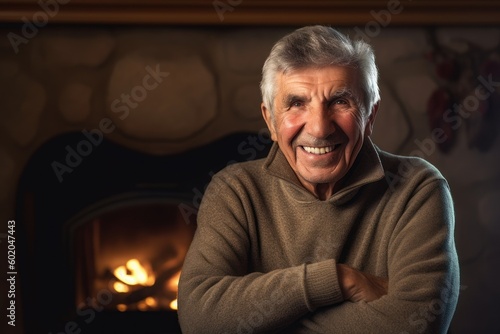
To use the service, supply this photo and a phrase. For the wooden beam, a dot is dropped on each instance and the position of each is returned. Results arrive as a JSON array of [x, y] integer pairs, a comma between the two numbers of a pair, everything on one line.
[[253, 12]]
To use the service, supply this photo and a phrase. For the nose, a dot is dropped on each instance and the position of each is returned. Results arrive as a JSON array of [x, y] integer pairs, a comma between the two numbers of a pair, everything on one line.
[[320, 122]]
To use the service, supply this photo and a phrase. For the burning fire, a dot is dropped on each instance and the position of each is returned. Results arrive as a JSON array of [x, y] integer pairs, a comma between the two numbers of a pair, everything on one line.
[[173, 304], [133, 275], [173, 285], [120, 287], [173, 282]]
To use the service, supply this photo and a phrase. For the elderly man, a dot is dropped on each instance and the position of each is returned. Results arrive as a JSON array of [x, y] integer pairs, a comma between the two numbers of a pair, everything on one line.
[[322, 236]]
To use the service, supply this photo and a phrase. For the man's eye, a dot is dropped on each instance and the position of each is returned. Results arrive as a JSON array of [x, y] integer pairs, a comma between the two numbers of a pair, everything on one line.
[[297, 104], [340, 103]]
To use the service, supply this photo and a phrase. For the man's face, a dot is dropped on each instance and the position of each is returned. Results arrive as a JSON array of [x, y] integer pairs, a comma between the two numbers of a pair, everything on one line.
[[318, 124]]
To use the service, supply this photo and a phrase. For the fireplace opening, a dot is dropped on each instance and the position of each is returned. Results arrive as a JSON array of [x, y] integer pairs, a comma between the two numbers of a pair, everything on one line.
[[101, 252], [128, 252], [134, 251]]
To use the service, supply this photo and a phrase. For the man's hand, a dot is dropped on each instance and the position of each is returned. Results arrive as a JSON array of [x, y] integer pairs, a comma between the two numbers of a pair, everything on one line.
[[358, 286]]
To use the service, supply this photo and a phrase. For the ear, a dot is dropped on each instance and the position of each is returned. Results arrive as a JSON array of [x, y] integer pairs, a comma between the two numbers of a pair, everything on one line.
[[266, 113], [371, 120]]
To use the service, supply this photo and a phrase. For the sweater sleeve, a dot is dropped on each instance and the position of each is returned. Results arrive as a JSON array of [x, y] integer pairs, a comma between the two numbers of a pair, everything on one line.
[[423, 276], [218, 290]]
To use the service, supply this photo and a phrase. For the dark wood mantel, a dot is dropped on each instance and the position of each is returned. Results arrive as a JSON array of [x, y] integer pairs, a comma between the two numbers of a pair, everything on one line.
[[254, 12]]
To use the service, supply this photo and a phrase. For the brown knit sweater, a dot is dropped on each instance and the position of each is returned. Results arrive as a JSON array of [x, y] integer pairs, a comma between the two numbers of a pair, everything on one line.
[[265, 251]]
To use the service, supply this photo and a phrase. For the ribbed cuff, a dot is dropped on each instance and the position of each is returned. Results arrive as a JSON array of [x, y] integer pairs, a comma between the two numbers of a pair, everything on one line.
[[322, 284]]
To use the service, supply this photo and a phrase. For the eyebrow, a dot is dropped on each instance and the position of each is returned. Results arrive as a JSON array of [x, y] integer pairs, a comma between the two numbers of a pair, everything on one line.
[[290, 98], [344, 92]]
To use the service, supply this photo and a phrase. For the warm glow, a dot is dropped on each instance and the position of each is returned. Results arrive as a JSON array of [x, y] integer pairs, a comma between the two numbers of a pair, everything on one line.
[[133, 273], [151, 302], [173, 285], [121, 307], [142, 306], [173, 282], [120, 287], [150, 281]]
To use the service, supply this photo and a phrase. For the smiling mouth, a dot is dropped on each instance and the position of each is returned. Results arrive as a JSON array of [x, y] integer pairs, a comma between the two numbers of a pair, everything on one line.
[[320, 150]]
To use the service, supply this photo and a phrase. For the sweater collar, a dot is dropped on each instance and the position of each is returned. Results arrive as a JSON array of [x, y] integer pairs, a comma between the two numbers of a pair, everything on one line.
[[366, 169]]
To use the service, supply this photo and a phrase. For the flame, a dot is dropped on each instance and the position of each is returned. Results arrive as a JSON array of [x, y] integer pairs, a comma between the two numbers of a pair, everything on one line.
[[173, 304], [173, 285], [121, 307], [173, 282], [120, 287], [133, 273], [151, 302]]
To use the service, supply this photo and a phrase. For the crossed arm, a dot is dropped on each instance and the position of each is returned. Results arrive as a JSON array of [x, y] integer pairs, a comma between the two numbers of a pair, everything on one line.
[[217, 294]]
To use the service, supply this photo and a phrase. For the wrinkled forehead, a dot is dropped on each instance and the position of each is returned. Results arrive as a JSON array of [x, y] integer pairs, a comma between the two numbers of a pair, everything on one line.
[[329, 78]]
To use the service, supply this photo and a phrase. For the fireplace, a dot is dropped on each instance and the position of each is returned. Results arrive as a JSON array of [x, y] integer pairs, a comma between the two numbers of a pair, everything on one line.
[[131, 253], [102, 251], [126, 254]]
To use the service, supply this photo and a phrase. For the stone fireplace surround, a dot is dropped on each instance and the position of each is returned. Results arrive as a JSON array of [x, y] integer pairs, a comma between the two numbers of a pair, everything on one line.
[[57, 262]]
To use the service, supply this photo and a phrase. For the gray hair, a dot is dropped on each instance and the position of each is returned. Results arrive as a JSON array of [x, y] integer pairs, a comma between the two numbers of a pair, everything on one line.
[[319, 46]]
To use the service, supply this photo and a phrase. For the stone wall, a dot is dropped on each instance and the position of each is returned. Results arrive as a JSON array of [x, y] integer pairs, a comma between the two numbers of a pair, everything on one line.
[[164, 90]]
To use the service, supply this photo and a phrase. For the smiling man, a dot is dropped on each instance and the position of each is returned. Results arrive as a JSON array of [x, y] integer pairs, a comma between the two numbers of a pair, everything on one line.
[[314, 239], [319, 124]]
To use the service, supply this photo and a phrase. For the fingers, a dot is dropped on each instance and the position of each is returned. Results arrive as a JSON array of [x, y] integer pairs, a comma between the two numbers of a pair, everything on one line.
[[357, 286]]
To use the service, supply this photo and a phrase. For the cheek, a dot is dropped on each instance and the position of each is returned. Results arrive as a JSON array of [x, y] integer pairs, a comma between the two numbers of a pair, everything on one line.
[[353, 125], [290, 125]]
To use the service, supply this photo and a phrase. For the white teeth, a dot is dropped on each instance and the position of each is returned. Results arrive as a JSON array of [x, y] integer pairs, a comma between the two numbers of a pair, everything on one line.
[[318, 150]]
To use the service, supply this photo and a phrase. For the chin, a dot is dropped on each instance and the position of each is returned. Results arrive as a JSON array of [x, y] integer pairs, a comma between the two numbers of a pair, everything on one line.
[[316, 179]]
